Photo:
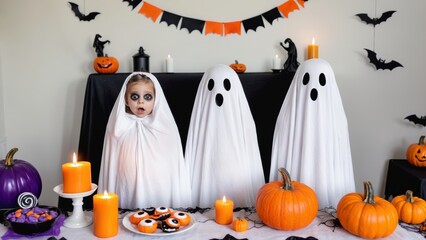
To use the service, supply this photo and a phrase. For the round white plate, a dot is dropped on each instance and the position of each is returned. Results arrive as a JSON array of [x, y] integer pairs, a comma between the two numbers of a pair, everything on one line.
[[159, 233]]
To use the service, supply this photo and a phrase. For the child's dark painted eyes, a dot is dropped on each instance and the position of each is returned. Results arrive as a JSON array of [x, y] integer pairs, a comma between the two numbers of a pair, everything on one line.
[[134, 96], [148, 97]]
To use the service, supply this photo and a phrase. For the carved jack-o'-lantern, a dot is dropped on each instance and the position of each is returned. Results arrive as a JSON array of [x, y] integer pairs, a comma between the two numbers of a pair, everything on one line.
[[416, 153], [238, 67], [105, 64]]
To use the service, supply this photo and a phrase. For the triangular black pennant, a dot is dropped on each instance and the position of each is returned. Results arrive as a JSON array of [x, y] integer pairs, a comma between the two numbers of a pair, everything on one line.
[[133, 3], [170, 18], [253, 23], [192, 24], [271, 15]]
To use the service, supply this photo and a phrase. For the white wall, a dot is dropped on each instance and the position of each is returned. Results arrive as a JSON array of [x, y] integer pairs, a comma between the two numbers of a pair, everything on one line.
[[3, 147], [46, 55]]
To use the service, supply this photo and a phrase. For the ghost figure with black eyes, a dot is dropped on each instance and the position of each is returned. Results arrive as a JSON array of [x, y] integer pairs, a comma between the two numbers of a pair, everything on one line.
[[222, 149], [311, 138]]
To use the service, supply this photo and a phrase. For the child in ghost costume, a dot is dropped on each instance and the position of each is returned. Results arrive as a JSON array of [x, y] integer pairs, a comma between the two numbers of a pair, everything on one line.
[[311, 138], [142, 159], [221, 148]]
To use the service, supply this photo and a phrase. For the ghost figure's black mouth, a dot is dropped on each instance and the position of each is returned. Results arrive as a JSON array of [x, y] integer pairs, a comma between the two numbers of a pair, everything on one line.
[[219, 99], [314, 94]]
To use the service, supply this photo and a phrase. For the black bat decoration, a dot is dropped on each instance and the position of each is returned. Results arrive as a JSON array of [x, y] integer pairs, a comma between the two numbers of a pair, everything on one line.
[[364, 17], [81, 16], [417, 120], [380, 63], [133, 3]]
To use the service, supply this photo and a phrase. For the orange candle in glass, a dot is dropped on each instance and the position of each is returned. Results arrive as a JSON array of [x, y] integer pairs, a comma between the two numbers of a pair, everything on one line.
[[224, 211], [105, 214], [312, 50], [76, 176]]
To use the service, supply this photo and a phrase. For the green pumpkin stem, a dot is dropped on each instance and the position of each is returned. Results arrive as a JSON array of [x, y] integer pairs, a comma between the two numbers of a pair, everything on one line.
[[409, 196], [286, 179], [422, 140], [9, 157], [368, 193]]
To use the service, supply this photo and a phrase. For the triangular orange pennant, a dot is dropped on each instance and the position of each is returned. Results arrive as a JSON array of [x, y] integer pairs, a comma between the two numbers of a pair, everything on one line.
[[232, 27], [288, 7], [150, 11], [301, 2], [213, 27]]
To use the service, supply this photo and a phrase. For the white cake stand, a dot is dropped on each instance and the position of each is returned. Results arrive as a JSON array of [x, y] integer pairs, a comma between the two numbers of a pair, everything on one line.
[[77, 219]]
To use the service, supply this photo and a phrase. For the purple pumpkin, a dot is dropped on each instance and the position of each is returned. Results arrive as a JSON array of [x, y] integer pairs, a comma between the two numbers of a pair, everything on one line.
[[16, 177]]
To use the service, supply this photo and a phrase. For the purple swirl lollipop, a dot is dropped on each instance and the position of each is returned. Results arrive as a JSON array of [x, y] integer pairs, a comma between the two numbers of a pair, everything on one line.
[[27, 200]]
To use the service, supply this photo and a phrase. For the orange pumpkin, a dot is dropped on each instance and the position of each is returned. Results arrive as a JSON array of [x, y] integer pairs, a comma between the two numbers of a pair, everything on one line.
[[147, 225], [416, 153], [105, 64], [238, 67], [240, 225], [286, 205], [366, 215], [410, 209]]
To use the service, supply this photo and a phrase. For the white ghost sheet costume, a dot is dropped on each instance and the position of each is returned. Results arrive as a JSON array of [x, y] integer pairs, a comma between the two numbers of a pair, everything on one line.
[[222, 149], [311, 138], [142, 159]]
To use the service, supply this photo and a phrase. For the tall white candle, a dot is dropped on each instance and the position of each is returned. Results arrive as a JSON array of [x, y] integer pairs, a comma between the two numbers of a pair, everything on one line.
[[169, 64], [277, 62]]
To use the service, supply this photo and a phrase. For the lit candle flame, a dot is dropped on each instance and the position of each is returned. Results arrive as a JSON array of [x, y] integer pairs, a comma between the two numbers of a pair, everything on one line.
[[105, 194], [313, 41], [74, 158], [224, 199]]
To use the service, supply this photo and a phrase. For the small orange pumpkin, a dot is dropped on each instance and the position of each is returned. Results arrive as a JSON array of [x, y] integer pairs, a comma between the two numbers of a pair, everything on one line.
[[238, 67], [240, 225], [105, 64], [286, 205], [410, 209], [416, 153], [147, 225], [366, 215]]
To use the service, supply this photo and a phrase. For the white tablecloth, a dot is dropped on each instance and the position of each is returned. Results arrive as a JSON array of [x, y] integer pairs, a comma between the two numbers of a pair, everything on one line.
[[205, 228]]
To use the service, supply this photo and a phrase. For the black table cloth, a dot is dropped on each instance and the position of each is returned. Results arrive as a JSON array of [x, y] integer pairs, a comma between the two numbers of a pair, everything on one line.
[[403, 176], [265, 94]]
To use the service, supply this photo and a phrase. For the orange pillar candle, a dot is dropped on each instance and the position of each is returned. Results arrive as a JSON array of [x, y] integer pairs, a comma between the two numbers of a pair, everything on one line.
[[105, 215], [224, 211], [312, 50], [77, 176]]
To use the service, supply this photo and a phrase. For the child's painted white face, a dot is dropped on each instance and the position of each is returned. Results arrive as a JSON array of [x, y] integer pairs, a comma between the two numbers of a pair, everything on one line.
[[140, 98]]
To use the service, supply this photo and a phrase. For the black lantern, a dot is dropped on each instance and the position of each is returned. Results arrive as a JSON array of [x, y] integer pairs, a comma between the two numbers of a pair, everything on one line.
[[141, 61]]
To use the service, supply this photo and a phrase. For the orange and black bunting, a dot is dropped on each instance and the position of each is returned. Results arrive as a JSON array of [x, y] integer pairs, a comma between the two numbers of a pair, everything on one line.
[[215, 27]]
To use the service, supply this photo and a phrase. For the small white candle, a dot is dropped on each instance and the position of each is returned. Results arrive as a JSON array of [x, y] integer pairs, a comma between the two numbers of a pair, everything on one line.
[[277, 62], [169, 64]]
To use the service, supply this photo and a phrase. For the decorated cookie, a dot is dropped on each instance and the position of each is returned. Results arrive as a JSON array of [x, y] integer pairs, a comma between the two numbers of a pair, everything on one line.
[[183, 217], [161, 213], [147, 225], [138, 216], [170, 225], [150, 210]]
